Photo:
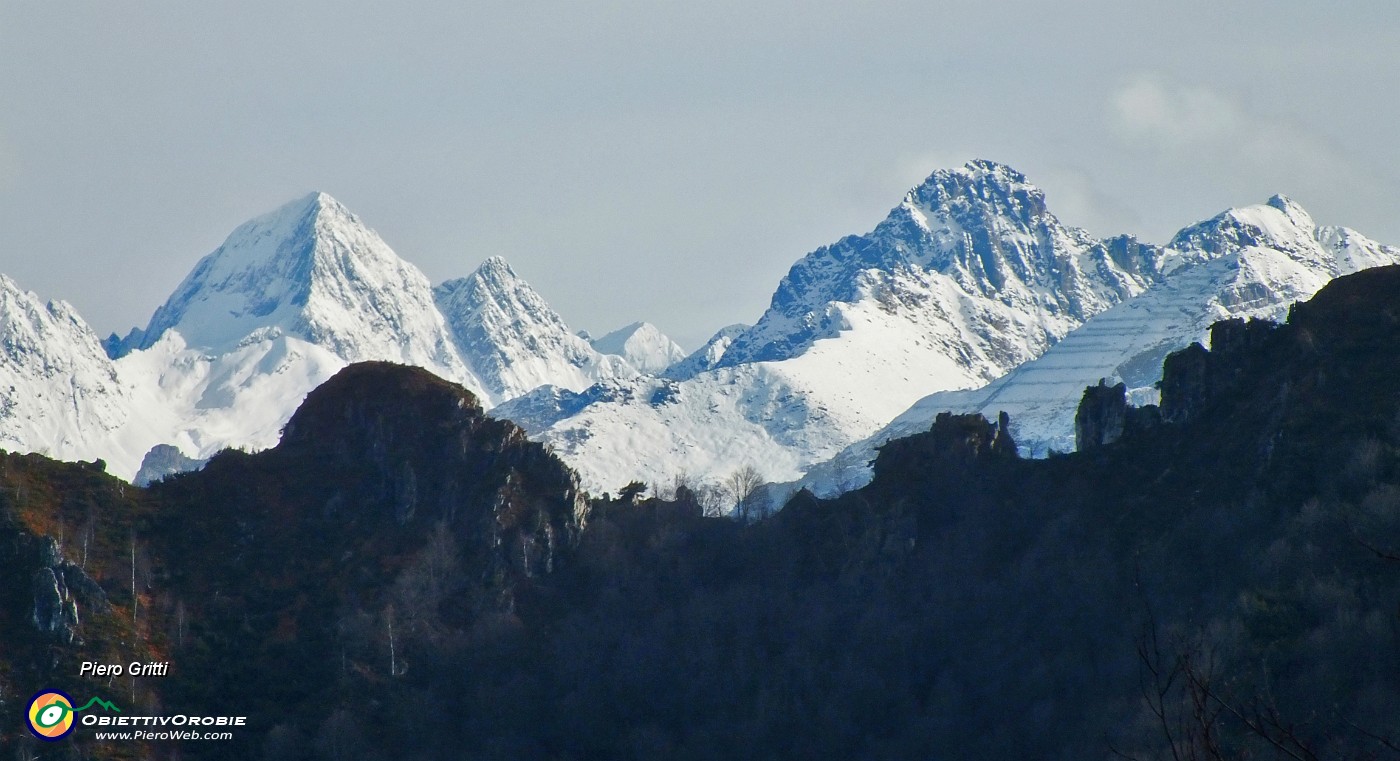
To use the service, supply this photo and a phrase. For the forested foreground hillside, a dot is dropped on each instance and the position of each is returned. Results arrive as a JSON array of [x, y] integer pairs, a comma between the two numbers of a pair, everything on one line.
[[404, 577]]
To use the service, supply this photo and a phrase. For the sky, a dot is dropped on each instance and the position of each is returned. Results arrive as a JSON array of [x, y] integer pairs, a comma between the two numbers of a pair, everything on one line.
[[654, 160]]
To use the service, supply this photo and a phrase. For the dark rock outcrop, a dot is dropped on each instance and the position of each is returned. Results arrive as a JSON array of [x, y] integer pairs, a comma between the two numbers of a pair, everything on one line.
[[1101, 416], [82, 587], [1185, 383], [952, 443], [1104, 417], [416, 449], [1192, 377], [378, 458]]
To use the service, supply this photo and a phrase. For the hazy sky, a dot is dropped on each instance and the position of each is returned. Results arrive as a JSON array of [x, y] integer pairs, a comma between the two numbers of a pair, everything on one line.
[[655, 160]]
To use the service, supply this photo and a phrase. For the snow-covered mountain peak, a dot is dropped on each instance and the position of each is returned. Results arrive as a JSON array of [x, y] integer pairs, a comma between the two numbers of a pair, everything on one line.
[[979, 191], [987, 168], [1297, 214], [513, 339], [313, 270], [983, 172], [26, 320], [708, 356], [494, 294], [643, 345], [498, 272], [1248, 262], [974, 245], [1278, 224], [58, 389], [280, 245]]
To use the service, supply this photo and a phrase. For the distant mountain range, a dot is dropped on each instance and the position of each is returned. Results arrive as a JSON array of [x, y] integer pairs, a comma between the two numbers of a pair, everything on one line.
[[971, 295], [942, 306], [287, 300]]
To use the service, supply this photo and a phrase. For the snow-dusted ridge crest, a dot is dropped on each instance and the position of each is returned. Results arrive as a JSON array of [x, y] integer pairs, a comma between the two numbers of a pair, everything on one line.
[[969, 283], [288, 299], [967, 277], [1250, 262], [513, 339], [970, 295]]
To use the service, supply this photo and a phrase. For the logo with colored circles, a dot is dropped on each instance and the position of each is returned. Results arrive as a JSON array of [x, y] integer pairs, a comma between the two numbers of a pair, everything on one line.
[[51, 715]]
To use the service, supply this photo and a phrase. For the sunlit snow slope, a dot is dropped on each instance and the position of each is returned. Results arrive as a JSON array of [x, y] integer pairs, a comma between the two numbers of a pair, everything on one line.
[[1250, 262], [968, 277], [58, 389], [289, 299], [643, 346]]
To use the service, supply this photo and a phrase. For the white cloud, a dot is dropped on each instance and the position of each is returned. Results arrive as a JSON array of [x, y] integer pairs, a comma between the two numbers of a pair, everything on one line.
[[1217, 137], [1076, 198], [1175, 116]]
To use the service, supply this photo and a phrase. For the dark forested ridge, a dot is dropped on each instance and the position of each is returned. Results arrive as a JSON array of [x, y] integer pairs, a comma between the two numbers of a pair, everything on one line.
[[404, 577]]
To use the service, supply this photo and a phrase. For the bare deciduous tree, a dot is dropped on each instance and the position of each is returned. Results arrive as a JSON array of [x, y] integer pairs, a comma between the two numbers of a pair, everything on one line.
[[426, 583], [712, 498], [743, 487], [1200, 716], [389, 630]]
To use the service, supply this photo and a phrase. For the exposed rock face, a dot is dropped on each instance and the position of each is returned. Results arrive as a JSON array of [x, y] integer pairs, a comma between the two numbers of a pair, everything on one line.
[[57, 586], [1100, 418], [397, 451], [1232, 336], [83, 587], [1193, 376], [1104, 417], [163, 461], [1184, 383], [952, 443], [54, 609], [1196, 379]]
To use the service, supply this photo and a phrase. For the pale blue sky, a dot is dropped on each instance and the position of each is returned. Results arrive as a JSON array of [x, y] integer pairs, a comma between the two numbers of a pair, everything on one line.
[[652, 160]]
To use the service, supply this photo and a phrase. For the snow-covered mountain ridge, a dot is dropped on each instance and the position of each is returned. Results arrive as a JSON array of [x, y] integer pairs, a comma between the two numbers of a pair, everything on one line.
[[286, 301], [976, 246], [643, 345], [513, 339], [968, 279], [1251, 262], [970, 294], [57, 384]]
